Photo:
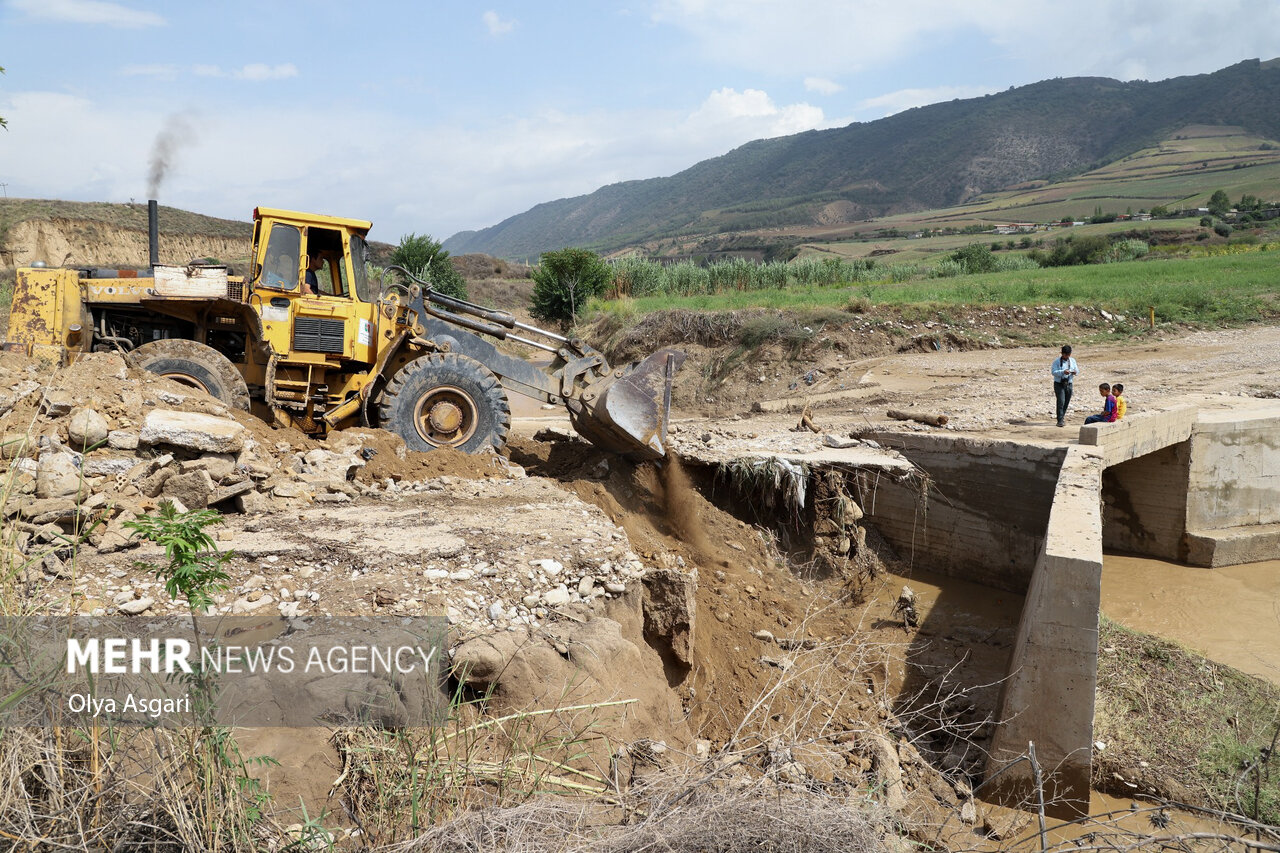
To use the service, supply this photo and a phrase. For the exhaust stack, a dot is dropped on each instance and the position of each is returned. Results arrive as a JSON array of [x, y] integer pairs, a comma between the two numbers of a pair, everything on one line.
[[153, 232]]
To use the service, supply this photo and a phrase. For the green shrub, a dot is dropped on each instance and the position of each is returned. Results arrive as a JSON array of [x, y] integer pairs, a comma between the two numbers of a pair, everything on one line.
[[423, 256], [974, 258], [565, 281]]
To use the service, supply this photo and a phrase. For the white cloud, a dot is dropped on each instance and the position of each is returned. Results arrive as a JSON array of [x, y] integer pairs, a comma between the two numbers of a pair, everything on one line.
[[161, 72], [1112, 38], [254, 71], [822, 85], [95, 12], [403, 175], [753, 114], [905, 99], [497, 25]]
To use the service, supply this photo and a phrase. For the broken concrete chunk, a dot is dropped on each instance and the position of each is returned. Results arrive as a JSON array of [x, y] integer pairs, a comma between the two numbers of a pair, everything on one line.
[[57, 475], [252, 502], [192, 430], [287, 490], [15, 395], [57, 402], [221, 466], [152, 485], [41, 506], [235, 490], [122, 439], [192, 489], [117, 536], [108, 466]]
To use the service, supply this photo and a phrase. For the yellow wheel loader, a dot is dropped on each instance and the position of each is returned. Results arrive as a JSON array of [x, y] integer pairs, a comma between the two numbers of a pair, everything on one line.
[[304, 340]]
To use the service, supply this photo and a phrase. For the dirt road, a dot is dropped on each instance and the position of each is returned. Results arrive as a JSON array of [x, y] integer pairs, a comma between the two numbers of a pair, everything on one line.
[[1001, 393]]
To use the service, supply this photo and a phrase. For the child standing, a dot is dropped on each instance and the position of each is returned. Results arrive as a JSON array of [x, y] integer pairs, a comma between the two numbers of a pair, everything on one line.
[[1108, 413], [1117, 391]]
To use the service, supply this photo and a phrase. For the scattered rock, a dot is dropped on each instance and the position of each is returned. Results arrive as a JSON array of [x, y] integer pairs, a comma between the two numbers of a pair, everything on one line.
[[86, 429], [137, 605], [557, 597], [670, 609], [192, 489]]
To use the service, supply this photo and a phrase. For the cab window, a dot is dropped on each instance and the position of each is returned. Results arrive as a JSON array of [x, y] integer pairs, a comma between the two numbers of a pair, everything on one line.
[[326, 271], [360, 272], [280, 266]]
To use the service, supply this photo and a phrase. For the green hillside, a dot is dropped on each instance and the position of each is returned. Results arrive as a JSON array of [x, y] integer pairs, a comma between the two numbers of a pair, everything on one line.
[[927, 158]]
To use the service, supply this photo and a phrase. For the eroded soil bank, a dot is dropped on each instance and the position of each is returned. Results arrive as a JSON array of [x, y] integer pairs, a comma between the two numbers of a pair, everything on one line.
[[571, 577]]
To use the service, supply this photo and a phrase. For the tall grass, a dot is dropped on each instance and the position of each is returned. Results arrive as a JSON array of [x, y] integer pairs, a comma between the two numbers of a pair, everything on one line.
[[638, 277], [1217, 290]]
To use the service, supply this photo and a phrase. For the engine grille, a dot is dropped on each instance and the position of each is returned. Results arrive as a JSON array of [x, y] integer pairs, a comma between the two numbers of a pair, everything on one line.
[[235, 291], [313, 334]]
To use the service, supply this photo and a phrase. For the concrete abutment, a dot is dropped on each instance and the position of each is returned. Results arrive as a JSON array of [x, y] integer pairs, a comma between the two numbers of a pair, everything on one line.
[[1191, 485]]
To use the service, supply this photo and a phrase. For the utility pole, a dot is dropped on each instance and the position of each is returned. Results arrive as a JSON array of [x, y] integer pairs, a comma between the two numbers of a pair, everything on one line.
[[5, 187]]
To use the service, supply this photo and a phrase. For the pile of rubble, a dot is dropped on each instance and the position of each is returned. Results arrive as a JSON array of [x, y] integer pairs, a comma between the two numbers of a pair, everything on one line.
[[95, 445], [87, 442]]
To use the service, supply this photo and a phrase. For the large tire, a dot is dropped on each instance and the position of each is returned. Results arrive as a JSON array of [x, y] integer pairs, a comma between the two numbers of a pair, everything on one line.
[[446, 400], [196, 365]]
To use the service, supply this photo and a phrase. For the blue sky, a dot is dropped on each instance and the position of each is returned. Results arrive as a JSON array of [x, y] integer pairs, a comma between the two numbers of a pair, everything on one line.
[[438, 117]]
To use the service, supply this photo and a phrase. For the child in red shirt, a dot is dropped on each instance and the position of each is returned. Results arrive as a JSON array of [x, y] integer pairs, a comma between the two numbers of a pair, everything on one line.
[[1108, 413]]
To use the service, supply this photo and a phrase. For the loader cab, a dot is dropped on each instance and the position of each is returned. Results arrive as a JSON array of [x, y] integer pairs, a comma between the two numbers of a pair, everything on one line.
[[310, 287], [287, 245]]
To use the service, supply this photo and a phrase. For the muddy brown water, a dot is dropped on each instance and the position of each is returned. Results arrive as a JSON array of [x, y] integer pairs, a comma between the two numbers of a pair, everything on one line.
[[1230, 615]]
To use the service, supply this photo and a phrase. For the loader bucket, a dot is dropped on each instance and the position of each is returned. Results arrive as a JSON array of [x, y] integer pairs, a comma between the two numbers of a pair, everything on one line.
[[627, 411]]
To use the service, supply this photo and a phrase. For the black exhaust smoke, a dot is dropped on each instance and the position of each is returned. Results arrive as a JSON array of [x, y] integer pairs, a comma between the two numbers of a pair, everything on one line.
[[153, 231]]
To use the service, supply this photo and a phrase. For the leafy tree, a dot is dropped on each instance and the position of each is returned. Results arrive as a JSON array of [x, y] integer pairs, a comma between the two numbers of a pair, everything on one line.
[[565, 280], [422, 256], [1159, 211], [1219, 202]]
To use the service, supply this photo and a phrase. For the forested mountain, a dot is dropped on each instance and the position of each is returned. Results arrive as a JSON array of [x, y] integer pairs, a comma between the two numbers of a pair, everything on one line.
[[928, 157]]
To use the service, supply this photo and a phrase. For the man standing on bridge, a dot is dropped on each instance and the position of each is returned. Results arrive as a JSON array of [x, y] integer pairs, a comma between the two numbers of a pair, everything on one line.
[[1064, 374]]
